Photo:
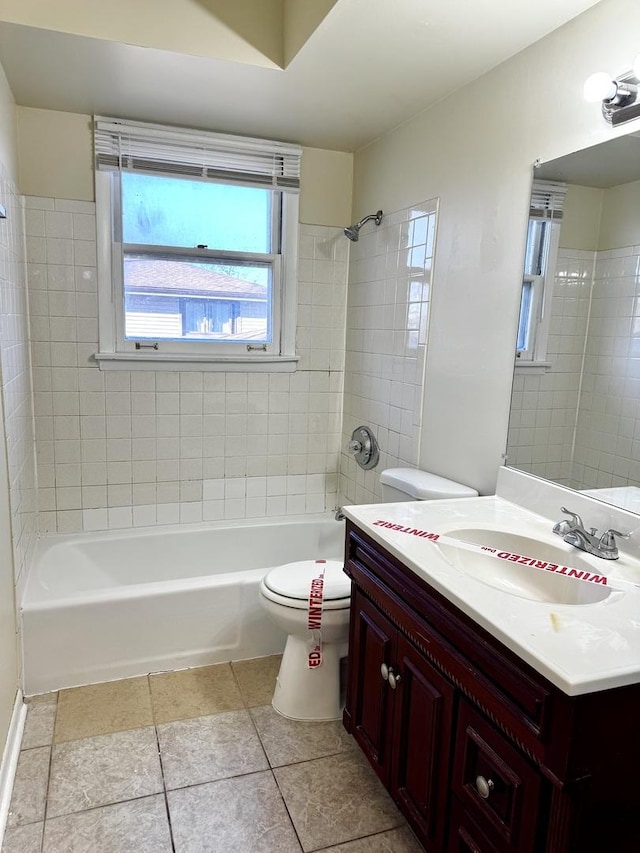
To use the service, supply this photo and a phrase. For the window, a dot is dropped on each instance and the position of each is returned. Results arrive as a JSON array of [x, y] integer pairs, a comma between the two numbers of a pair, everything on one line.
[[543, 233], [197, 247]]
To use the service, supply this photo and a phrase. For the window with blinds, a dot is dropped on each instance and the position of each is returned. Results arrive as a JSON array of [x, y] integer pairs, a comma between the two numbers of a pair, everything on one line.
[[545, 217], [197, 249]]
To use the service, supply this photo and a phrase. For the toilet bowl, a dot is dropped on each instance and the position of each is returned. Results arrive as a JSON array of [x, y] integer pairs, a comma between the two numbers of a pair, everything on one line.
[[310, 601]]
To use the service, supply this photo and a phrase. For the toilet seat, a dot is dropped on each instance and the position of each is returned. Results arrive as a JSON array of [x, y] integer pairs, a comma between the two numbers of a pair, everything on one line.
[[290, 584]]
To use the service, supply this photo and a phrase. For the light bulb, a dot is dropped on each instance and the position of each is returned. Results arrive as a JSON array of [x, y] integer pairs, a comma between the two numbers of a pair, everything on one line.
[[599, 87], [636, 66]]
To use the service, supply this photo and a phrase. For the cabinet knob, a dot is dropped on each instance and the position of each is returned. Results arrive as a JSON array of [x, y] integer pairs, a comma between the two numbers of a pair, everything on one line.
[[384, 671], [393, 679], [484, 786]]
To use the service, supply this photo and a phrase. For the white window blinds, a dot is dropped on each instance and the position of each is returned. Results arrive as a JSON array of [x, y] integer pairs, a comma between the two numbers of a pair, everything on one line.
[[141, 147], [547, 200]]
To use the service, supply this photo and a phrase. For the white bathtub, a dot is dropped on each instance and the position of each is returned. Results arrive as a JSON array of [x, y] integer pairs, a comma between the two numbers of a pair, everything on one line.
[[102, 606]]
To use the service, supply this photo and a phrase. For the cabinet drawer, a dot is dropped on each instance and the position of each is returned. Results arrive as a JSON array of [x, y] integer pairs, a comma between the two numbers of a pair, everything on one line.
[[465, 836], [495, 783]]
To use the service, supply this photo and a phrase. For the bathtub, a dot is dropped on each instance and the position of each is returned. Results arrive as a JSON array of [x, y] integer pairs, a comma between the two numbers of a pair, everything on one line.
[[102, 606]]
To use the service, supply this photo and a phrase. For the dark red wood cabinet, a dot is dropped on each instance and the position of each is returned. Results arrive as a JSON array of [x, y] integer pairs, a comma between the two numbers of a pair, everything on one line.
[[480, 752]]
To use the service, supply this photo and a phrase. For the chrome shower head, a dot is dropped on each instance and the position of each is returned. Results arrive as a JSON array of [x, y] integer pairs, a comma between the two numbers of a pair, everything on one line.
[[353, 231]]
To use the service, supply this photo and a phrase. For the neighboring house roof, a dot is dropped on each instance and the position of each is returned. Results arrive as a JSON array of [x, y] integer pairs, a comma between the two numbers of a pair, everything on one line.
[[187, 279]]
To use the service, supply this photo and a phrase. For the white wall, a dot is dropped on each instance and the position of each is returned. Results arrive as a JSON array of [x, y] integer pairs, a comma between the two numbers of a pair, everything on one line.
[[8, 654], [620, 225], [475, 151], [55, 154], [581, 219], [56, 161]]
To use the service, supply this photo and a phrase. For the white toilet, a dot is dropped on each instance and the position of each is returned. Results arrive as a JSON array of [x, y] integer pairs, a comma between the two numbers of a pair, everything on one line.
[[308, 684], [411, 484]]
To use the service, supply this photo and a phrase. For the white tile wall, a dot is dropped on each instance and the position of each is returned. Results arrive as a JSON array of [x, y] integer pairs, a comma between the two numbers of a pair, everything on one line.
[[607, 450], [544, 406], [122, 449], [579, 424], [387, 327], [15, 373]]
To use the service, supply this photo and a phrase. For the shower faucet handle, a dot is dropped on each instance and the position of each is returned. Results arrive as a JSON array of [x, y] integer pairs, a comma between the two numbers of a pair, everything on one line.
[[364, 447]]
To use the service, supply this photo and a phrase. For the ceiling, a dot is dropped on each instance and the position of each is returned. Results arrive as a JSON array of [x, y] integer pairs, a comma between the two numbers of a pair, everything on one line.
[[366, 66], [609, 164]]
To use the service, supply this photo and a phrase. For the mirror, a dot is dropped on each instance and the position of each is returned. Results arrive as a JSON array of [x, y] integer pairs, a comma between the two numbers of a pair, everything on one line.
[[575, 410]]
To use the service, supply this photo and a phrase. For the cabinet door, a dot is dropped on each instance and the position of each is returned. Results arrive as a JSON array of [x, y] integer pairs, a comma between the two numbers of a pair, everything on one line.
[[422, 744], [372, 644]]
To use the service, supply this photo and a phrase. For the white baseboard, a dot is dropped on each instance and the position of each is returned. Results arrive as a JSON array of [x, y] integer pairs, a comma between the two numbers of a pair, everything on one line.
[[10, 759]]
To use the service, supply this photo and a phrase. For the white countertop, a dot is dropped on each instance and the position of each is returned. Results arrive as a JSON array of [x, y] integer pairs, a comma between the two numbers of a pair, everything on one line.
[[626, 497], [579, 648]]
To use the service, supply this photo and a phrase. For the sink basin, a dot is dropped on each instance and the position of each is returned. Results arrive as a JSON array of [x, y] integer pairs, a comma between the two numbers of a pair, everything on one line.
[[520, 580]]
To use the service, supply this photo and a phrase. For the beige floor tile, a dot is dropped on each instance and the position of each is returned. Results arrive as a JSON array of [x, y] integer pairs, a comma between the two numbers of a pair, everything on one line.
[[139, 826], [102, 770], [23, 839], [257, 679], [334, 800], [194, 693], [210, 748], [400, 840], [241, 815], [41, 717], [289, 741], [101, 709], [30, 787]]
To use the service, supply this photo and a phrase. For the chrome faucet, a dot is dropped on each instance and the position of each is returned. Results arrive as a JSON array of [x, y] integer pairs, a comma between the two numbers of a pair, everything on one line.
[[573, 533]]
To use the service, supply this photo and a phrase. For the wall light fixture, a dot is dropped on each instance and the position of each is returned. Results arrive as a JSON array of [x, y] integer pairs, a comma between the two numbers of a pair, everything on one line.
[[620, 95]]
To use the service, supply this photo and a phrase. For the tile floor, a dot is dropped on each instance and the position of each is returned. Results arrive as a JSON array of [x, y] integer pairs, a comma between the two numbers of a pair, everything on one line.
[[193, 762]]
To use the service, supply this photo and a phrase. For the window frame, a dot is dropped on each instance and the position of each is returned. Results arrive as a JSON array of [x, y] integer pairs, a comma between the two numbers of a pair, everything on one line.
[[538, 321], [116, 352]]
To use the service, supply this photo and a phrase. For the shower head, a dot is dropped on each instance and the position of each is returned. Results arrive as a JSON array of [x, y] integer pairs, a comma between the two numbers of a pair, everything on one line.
[[353, 231]]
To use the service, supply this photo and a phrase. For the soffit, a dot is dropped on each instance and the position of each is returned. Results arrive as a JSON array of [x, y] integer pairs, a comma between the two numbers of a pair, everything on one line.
[[368, 66], [615, 162], [266, 33]]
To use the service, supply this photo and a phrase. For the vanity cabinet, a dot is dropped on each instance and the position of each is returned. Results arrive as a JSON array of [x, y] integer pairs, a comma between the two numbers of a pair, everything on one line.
[[402, 722], [480, 752]]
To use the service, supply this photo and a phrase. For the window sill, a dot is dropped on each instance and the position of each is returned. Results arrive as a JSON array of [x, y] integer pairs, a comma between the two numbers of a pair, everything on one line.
[[531, 368], [226, 363]]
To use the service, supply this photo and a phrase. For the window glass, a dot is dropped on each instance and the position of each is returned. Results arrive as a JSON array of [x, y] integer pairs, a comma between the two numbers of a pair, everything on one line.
[[172, 298], [536, 246], [526, 305], [168, 211]]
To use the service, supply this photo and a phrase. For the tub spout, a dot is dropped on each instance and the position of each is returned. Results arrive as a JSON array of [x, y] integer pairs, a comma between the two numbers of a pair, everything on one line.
[[339, 516]]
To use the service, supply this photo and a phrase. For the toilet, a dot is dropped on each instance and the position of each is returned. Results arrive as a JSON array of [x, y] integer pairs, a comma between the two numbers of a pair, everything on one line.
[[310, 601], [308, 684], [411, 484]]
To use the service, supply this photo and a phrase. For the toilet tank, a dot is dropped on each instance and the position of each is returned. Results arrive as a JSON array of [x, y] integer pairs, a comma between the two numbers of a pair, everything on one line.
[[411, 484]]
